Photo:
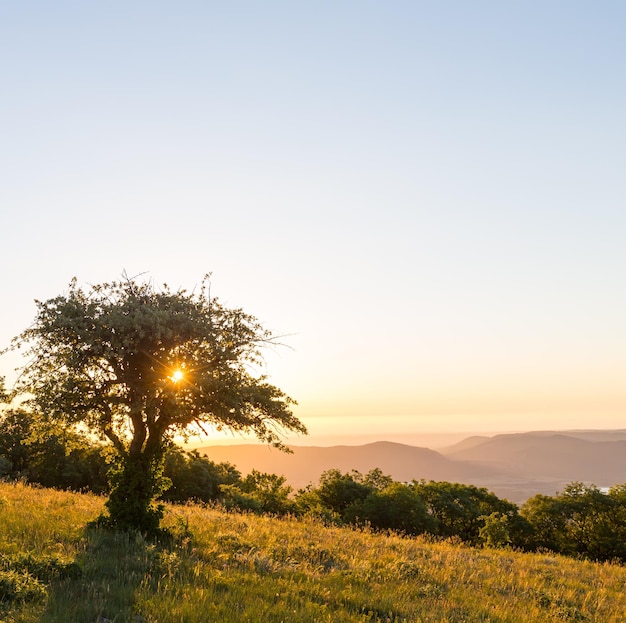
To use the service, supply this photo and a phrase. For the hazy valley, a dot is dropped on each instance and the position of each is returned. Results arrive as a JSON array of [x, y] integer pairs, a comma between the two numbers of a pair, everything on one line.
[[513, 466]]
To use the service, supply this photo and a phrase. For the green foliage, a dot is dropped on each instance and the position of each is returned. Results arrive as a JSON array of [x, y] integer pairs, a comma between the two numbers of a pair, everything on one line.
[[19, 586], [458, 510], [44, 568], [580, 520], [5, 467], [136, 482], [23, 577], [17, 439], [259, 492], [496, 530], [195, 477], [49, 455], [341, 493], [397, 507], [440, 509], [137, 365]]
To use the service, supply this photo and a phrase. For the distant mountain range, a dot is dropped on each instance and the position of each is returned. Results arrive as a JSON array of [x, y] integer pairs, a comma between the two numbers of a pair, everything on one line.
[[513, 466]]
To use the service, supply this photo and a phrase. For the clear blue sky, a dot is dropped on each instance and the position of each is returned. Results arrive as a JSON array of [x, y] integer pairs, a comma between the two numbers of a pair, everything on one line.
[[428, 197]]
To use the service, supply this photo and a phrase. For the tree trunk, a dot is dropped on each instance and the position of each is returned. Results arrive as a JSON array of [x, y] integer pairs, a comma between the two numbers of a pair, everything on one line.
[[135, 485]]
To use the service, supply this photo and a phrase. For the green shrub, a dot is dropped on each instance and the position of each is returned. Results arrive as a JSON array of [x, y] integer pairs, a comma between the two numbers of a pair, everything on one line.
[[19, 586], [43, 568]]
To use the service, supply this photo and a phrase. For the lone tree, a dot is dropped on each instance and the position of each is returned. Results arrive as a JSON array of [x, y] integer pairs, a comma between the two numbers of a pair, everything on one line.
[[138, 365]]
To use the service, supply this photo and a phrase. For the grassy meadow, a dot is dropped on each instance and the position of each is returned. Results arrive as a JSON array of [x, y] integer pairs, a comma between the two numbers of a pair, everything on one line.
[[234, 568]]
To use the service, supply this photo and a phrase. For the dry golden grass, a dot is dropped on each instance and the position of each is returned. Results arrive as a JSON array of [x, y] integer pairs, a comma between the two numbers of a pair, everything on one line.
[[228, 567]]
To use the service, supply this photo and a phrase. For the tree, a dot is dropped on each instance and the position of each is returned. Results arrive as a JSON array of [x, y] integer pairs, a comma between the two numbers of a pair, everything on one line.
[[15, 431], [138, 365], [259, 492], [195, 477], [495, 531], [396, 507], [339, 496], [460, 510], [49, 455], [580, 520], [339, 492]]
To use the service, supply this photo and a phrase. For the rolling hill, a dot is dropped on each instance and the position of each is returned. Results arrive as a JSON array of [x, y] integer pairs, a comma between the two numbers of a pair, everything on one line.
[[543, 455], [513, 466]]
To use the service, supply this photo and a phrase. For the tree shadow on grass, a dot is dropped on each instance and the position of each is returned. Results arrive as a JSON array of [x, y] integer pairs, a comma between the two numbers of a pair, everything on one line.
[[114, 566]]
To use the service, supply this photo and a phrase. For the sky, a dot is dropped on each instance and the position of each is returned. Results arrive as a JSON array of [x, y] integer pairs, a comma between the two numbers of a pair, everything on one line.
[[425, 199]]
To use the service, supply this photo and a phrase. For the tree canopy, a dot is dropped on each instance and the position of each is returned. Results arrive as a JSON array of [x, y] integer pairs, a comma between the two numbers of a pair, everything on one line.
[[138, 364]]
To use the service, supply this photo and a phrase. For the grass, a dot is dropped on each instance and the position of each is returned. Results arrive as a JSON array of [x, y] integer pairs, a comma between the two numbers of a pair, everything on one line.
[[228, 567]]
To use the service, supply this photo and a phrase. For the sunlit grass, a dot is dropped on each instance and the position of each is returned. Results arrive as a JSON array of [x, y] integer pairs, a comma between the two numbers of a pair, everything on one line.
[[229, 567]]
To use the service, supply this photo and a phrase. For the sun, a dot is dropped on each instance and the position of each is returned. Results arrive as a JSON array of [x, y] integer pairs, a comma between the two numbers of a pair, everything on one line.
[[177, 376]]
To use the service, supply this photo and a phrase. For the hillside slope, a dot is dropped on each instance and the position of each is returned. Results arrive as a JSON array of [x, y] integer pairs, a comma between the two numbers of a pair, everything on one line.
[[235, 568]]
